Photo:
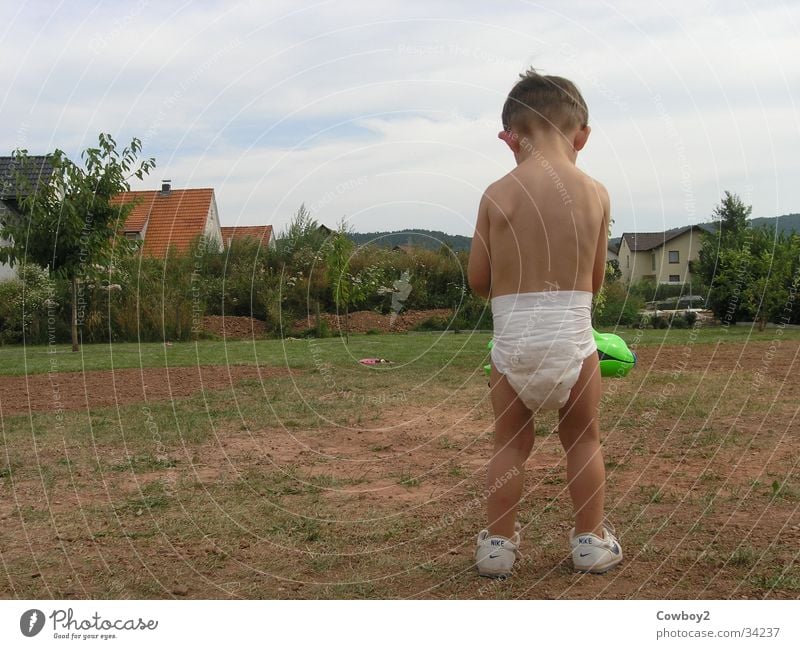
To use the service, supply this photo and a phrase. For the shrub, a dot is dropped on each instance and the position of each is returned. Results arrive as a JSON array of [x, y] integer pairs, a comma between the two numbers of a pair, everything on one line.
[[660, 322], [620, 307], [473, 313], [691, 318], [678, 322], [24, 302], [434, 323]]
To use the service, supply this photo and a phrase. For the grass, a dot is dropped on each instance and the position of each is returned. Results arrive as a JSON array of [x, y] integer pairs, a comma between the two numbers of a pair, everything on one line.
[[370, 482], [778, 581], [423, 351], [143, 463]]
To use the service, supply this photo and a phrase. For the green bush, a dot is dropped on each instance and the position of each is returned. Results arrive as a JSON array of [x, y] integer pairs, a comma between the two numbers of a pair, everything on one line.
[[26, 302], [473, 313], [660, 322], [678, 322], [434, 323], [620, 307]]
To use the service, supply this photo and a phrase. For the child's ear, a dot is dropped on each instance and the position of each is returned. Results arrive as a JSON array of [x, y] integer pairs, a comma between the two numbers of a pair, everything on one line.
[[511, 139], [581, 135]]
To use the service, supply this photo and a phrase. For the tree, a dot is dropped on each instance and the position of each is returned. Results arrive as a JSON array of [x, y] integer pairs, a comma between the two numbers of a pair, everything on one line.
[[731, 215], [340, 252], [751, 271], [725, 260], [69, 224], [771, 261]]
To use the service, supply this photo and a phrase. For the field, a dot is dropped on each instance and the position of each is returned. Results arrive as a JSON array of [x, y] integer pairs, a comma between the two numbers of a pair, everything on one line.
[[284, 469]]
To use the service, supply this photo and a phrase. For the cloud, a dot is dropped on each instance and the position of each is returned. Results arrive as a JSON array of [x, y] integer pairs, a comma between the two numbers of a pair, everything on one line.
[[278, 103]]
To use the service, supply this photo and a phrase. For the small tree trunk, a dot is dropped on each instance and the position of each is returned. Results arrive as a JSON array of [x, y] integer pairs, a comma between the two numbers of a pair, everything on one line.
[[75, 346], [346, 322]]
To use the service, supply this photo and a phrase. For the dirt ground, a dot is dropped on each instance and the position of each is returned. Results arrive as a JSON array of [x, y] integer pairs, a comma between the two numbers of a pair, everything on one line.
[[85, 390], [703, 492], [232, 327]]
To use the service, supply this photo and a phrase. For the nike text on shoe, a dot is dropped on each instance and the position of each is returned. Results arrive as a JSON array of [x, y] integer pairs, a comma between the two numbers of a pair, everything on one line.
[[592, 554], [495, 555]]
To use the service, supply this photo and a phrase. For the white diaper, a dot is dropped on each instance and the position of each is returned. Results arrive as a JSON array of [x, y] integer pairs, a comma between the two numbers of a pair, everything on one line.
[[540, 343]]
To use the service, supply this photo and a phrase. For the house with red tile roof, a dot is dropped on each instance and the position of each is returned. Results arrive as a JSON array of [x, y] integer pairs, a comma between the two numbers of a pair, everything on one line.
[[261, 233], [168, 218]]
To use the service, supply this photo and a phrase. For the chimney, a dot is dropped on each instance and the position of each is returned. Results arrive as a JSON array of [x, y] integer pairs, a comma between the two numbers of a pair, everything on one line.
[[165, 187]]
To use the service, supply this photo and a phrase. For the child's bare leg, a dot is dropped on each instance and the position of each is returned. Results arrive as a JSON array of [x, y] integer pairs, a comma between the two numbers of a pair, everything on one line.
[[513, 441], [579, 431]]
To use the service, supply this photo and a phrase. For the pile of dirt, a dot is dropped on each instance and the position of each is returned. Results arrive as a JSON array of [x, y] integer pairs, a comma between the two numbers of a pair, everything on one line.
[[231, 326], [365, 321]]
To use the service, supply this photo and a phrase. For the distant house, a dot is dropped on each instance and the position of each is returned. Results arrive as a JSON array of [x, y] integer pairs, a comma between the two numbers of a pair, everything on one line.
[[39, 171], [168, 218], [662, 257], [260, 233], [613, 250]]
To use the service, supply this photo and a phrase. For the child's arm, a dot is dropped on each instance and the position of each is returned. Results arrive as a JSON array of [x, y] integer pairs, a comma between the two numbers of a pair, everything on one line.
[[479, 272], [599, 271]]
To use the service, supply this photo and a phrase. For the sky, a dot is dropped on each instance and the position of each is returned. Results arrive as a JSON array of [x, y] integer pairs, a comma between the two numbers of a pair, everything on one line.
[[385, 114]]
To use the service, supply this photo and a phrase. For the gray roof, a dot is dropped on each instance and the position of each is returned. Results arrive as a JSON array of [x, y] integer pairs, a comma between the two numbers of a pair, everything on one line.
[[40, 169], [639, 241]]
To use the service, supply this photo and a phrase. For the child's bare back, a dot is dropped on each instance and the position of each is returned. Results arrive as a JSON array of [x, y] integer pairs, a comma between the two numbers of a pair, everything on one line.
[[547, 228]]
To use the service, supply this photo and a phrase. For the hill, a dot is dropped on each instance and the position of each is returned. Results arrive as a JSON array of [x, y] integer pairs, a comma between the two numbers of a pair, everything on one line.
[[430, 239], [785, 223], [434, 239]]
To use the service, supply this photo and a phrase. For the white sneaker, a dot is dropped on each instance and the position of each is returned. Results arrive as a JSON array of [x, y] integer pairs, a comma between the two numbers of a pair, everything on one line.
[[592, 554], [495, 555]]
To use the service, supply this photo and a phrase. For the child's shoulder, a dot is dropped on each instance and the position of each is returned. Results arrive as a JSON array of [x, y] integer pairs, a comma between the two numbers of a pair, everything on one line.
[[506, 185]]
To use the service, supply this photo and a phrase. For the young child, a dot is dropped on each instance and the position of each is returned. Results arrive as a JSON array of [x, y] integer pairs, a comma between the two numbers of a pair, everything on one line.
[[539, 252]]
